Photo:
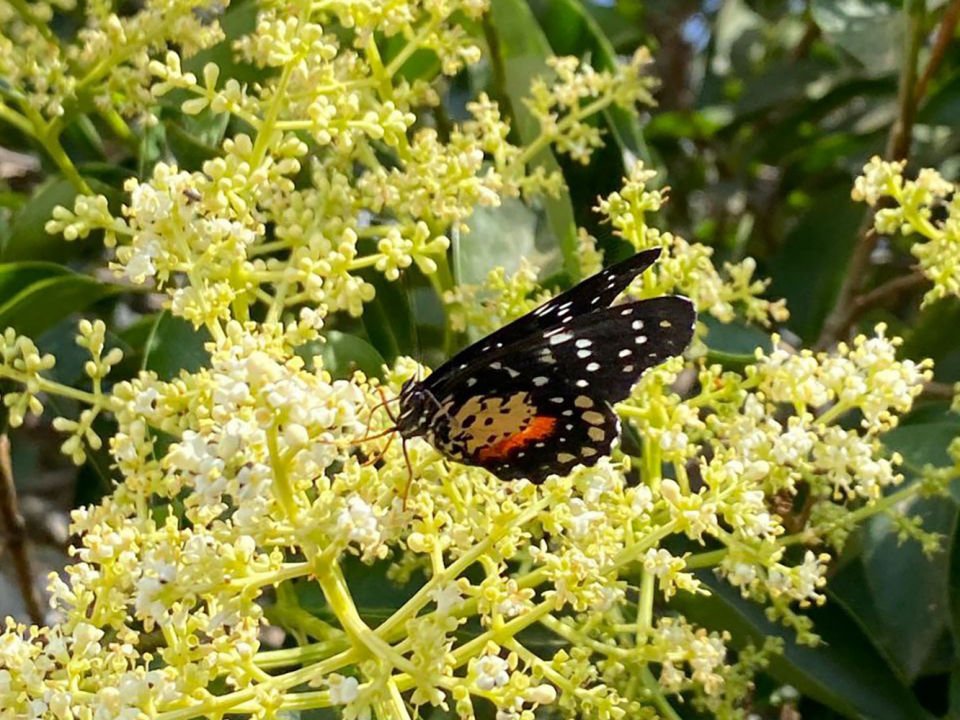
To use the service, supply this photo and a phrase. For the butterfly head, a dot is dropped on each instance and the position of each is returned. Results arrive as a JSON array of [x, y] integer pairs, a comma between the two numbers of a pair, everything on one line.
[[417, 408]]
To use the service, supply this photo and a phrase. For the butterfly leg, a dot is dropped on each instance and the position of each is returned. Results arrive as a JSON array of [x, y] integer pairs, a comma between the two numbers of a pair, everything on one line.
[[406, 459], [380, 453], [403, 444]]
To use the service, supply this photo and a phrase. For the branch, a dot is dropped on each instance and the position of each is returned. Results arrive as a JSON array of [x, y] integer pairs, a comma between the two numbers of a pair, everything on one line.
[[942, 41], [939, 390], [878, 297], [898, 148], [16, 541]]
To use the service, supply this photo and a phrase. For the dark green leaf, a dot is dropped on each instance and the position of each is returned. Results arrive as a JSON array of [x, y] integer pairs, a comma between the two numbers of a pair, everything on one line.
[[194, 140], [523, 50], [845, 672], [343, 354], [810, 268], [239, 19], [175, 345], [17, 276], [735, 337], [43, 303], [912, 615], [388, 319], [923, 436], [943, 105], [26, 238]]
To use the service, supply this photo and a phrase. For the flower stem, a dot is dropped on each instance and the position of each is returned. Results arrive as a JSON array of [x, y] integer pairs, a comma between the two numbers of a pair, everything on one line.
[[656, 694], [281, 481]]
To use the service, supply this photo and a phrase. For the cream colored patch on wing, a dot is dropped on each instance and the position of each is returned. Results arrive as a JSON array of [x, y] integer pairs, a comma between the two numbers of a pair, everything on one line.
[[484, 421]]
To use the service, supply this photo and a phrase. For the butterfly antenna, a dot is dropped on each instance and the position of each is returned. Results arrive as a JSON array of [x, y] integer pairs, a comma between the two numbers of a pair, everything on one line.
[[385, 404]]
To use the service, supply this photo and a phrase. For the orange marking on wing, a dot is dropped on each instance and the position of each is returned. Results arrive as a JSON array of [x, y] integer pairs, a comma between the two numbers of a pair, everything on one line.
[[540, 428]]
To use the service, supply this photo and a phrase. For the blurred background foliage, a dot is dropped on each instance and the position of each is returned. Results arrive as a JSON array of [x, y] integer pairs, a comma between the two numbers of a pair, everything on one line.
[[767, 110]]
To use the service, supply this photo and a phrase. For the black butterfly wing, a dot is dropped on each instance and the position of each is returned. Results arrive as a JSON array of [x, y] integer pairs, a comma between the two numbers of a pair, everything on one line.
[[542, 405], [605, 352], [597, 291], [602, 353]]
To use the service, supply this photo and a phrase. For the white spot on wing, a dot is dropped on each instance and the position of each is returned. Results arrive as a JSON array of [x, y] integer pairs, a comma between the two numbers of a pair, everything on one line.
[[625, 353], [582, 383], [583, 343], [593, 367], [540, 380], [560, 338]]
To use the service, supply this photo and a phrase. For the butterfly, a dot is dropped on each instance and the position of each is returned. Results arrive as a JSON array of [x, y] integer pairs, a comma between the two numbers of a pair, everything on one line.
[[535, 397]]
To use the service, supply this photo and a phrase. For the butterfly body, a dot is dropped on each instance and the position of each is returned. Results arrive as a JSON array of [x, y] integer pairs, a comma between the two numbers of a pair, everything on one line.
[[534, 397]]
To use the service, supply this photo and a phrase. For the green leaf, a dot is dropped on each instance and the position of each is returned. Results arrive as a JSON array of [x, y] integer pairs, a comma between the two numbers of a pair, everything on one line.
[[522, 53], [912, 615], [870, 31], [906, 619], [42, 303], [954, 590], [943, 105], [26, 238], [735, 337], [810, 268], [239, 19], [175, 345], [497, 237], [17, 276], [923, 436], [342, 354], [388, 319], [194, 140], [845, 672]]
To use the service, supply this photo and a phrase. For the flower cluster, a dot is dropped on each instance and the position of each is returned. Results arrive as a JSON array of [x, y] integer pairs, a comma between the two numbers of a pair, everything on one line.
[[106, 63], [577, 91], [908, 207], [23, 363], [686, 268], [497, 301]]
